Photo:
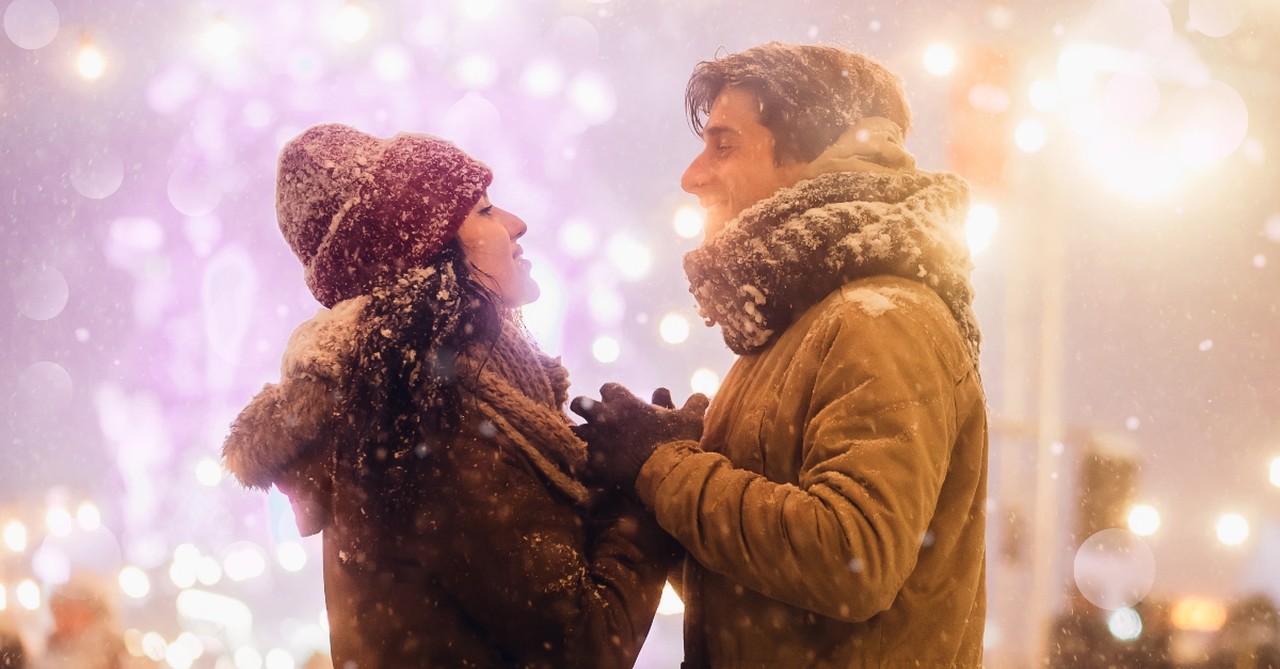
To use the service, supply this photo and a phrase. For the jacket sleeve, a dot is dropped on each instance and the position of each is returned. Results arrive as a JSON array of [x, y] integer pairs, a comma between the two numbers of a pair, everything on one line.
[[876, 446], [550, 587]]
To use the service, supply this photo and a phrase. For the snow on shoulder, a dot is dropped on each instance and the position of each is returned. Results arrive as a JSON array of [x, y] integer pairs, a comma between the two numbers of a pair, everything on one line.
[[874, 302]]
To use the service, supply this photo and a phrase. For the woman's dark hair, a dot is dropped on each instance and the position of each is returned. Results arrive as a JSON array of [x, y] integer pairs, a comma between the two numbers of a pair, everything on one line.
[[405, 396], [809, 95]]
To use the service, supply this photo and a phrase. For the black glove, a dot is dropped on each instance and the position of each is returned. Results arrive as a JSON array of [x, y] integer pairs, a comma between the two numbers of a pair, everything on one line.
[[622, 430]]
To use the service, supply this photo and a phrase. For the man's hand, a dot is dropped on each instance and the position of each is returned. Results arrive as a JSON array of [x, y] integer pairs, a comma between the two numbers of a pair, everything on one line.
[[622, 430]]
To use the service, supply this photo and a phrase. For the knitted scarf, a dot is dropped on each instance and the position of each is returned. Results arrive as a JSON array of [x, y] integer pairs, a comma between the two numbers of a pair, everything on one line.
[[407, 359], [521, 392], [786, 253]]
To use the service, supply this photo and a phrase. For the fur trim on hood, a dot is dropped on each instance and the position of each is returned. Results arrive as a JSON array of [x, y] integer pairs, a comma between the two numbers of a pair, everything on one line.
[[285, 420], [786, 253]]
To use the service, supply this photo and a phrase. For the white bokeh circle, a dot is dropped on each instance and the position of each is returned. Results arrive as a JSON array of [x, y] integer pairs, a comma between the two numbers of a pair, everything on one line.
[[41, 293], [31, 24], [1115, 569]]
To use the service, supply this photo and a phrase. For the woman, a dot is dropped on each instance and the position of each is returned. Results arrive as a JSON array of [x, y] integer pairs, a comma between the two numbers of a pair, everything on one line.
[[418, 426]]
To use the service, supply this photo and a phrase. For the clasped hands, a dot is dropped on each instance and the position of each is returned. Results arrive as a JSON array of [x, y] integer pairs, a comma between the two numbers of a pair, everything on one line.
[[623, 430]]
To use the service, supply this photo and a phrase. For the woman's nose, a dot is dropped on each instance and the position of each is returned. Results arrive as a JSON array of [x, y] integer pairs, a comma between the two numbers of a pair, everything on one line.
[[516, 226]]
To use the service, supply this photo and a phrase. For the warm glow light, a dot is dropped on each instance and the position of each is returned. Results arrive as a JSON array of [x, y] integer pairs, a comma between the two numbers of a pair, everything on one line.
[[1275, 472], [1125, 624], [4, 599], [1043, 96], [91, 63], [940, 60], [15, 536], [351, 23], [208, 571], [631, 258], [704, 381], [291, 556], [88, 516], [1144, 520], [28, 594], [278, 658], [227, 612], [248, 658], [154, 646], [1232, 529], [58, 519], [1198, 614], [244, 563], [689, 221], [674, 328], [221, 39], [134, 582], [208, 472], [1031, 135], [670, 604], [981, 226], [605, 350]]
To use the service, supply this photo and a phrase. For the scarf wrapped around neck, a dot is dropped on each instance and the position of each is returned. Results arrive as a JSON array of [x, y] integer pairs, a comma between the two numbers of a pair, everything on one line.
[[786, 253]]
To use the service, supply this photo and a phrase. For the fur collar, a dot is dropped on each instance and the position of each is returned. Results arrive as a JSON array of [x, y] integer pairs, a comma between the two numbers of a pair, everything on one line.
[[785, 253]]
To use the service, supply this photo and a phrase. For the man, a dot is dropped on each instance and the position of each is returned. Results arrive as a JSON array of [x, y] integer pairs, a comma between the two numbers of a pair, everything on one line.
[[833, 508]]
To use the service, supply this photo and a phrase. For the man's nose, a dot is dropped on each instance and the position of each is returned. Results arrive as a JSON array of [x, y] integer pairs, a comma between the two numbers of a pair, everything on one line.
[[695, 176]]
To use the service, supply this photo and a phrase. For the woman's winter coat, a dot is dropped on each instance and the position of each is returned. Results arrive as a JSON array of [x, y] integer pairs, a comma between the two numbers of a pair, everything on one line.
[[833, 512], [503, 560]]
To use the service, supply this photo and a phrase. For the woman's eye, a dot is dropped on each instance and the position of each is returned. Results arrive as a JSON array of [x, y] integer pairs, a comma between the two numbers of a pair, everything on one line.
[[487, 211]]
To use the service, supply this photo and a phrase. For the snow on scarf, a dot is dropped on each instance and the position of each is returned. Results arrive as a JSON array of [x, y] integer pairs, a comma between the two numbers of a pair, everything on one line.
[[786, 253]]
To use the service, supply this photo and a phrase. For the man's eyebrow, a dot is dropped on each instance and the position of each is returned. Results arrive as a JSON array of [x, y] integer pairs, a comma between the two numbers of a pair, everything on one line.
[[717, 131]]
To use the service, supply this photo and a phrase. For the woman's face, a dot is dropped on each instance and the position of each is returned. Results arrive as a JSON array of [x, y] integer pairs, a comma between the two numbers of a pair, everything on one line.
[[488, 237]]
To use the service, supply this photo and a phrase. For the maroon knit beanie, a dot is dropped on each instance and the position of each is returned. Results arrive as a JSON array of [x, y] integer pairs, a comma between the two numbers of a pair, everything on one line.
[[358, 210]]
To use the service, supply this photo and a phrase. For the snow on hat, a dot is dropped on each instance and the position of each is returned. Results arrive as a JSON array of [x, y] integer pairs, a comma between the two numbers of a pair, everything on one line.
[[358, 209]]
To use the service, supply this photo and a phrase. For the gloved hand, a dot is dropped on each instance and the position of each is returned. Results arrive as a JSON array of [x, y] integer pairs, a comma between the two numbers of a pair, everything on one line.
[[622, 430]]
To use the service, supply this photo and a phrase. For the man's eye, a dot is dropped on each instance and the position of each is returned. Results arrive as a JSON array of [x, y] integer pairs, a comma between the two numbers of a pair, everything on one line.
[[724, 148]]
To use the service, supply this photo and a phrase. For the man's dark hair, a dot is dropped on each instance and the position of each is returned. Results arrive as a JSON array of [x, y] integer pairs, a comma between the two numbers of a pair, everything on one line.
[[809, 95]]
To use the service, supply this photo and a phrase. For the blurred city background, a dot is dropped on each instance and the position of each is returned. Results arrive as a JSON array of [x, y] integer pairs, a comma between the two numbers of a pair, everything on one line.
[[1125, 230]]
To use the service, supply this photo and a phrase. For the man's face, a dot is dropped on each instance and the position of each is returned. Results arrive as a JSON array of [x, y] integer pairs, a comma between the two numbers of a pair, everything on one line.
[[736, 168]]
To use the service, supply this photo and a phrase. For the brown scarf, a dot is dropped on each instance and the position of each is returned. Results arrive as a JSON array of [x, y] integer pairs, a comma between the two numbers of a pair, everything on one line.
[[785, 254], [521, 392]]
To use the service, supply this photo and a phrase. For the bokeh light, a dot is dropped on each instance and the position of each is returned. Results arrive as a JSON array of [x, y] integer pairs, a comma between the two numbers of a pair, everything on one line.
[[134, 582], [1232, 529], [248, 658], [292, 556], [1144, 520], [31, 24], [940, 59], [209, 472], [1199, 614], [674, 328], [91, 63], [1031, 135], [1124, 624], [631, 258], [605, 350], [97, 175], [1216, 18], [15, 536], [1275, 472], [1114, 569], [58, 520], [1043, 96], [351, 23], [705, 380], [689, 220], [279, 658], [88, 516], [27, 594], [980, 226], [41, 292]]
